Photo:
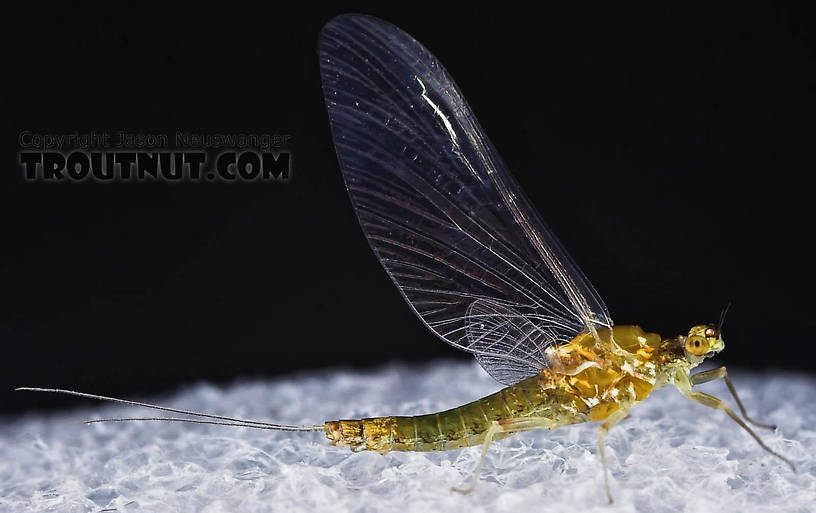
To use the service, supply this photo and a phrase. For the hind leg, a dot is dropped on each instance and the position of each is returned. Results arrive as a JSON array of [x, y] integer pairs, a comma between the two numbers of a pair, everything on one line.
[[501, 426]]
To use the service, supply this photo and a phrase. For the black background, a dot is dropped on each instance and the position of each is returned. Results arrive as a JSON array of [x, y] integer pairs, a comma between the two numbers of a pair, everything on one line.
[[671, 151]]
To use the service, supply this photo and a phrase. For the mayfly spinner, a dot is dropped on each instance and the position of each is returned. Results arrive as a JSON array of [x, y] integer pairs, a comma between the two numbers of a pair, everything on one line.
[[476, 263]]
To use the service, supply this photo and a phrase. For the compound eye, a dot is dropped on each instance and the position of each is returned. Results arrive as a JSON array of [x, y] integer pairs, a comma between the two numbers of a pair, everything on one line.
[[697, 346], [709, 332]]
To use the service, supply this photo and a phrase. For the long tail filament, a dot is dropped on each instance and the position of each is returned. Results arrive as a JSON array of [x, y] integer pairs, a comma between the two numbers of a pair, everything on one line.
[[220, 420]]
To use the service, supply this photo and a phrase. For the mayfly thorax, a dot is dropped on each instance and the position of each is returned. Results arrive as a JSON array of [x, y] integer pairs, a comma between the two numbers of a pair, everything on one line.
[[476, 263]]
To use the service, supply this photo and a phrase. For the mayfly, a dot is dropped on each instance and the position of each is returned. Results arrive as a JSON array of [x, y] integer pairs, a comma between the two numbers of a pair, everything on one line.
[[477, 265]]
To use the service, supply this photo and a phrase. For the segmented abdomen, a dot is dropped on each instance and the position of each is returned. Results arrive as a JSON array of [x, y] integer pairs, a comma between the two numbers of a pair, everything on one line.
[[458, 427]]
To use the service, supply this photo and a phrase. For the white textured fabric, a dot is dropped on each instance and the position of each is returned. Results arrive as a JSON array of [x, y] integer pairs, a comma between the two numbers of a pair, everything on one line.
[[671, 455]]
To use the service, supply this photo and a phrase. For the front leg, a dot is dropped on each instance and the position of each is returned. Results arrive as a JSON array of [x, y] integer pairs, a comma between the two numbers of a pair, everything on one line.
[[683, 384], [711, 375]]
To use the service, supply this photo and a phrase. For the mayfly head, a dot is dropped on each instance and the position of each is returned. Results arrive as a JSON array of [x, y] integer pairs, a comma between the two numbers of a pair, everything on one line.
[[704, 340]]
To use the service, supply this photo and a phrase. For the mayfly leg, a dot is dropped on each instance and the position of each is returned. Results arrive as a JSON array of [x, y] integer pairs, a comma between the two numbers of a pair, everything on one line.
[[684, 386], [494, 428], [603, 429], [711, 375], [500, 426]]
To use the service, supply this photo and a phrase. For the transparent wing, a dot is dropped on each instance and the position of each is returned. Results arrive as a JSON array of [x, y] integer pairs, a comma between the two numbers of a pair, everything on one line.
[[440, 209], [496, 330]]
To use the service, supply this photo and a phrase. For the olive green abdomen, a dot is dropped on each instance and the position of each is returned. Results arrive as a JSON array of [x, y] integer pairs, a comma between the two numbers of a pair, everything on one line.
[[458, 427]]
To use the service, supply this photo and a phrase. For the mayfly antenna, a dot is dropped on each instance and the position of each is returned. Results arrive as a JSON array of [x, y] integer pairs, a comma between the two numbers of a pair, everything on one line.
[[227, 421], [722, 317]]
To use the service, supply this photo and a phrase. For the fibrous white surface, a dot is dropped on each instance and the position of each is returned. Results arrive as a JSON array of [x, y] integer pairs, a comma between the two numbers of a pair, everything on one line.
[[671, 455]]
